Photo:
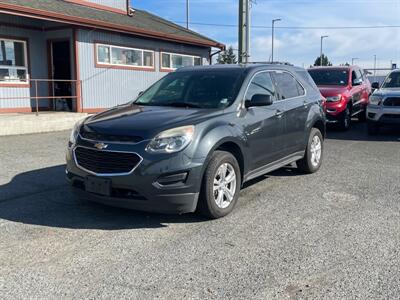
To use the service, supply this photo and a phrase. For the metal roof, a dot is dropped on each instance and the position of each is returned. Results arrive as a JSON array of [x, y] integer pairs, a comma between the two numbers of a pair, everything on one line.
[[244, 67], [141, 22]]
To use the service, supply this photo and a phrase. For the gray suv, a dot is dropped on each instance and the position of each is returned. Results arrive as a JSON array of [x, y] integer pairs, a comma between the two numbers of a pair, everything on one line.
[[384, 104], [192, 139]]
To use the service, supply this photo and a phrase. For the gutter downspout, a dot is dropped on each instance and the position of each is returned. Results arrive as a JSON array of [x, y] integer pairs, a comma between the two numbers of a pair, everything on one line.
[[215, 53], [129, 9]]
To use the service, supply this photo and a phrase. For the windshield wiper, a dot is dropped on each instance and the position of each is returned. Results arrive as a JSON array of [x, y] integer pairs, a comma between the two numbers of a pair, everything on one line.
[[182, 104]]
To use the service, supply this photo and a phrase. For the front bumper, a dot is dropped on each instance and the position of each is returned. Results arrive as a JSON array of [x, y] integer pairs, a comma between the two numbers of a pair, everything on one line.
[[383, 114], [141, 189]]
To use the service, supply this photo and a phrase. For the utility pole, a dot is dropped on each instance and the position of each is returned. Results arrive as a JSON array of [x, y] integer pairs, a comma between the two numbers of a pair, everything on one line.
[[244, 30], [273, 33], [187, 13], [375, 67], [320, 57]]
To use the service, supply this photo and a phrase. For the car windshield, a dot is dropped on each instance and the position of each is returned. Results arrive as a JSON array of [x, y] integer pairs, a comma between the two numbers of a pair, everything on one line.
[[330, 77], [194, 89], [392, 81]]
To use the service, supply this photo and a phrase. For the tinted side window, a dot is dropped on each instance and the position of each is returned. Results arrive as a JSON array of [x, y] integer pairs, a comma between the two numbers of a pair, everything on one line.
[[300, 89], [288, 86], [354, 76], [361, 75], [261, 84]]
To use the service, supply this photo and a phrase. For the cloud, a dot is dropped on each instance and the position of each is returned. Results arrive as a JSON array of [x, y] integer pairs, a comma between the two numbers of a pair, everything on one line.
[[303, 45]]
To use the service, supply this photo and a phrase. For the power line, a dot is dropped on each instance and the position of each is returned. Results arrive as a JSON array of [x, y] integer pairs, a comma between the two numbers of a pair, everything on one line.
[[295, 27]]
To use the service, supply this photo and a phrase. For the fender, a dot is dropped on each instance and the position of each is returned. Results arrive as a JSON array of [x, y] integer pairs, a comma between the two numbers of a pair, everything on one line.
[[216, 135], [315, 115]]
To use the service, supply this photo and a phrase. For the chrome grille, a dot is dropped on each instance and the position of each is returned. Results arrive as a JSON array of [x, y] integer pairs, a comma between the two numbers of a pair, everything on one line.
[[102, 162]]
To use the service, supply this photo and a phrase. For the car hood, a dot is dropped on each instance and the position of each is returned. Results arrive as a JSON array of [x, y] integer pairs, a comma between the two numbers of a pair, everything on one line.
[[395, 92], [144, 121], [329, 91]]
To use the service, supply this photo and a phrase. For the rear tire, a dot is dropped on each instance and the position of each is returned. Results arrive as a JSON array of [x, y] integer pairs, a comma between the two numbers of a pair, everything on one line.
[[312, 159], [221, 186], [372, 128], [345, 120]]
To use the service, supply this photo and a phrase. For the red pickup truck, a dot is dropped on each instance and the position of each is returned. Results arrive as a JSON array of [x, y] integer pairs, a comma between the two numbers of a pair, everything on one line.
[[346, 90]]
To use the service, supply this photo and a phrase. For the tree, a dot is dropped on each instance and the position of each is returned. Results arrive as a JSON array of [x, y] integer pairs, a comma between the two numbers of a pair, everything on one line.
[[227, 57], [345, 64], [325, 61]]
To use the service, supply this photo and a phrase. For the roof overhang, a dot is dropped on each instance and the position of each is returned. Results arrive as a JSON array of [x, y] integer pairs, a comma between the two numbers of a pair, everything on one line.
[[23, 11]]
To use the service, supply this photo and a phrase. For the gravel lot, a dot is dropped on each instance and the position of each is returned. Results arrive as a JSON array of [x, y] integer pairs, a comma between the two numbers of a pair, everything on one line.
[[332, 235]]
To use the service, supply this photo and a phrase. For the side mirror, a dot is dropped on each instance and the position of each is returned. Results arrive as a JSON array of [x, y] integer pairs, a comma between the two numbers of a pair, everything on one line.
[[375, 85], [259, 100]]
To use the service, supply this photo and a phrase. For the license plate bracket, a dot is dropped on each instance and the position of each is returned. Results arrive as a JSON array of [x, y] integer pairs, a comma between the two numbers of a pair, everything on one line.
[[99, 186]]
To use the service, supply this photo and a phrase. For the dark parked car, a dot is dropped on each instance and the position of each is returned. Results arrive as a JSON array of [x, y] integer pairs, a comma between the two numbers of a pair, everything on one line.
[[193, 138], [346, 90], [384, 106]]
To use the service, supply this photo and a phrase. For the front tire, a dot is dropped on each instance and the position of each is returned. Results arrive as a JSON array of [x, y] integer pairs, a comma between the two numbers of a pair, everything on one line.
[[221, 186], [345, 120], [312, 159]]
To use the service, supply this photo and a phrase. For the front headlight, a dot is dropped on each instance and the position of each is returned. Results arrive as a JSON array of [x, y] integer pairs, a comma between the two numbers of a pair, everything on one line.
[[75, 132], [334, 98], [375, 100], [172, 140]]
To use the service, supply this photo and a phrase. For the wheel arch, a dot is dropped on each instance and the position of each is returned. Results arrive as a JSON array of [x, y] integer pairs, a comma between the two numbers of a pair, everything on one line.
[[231, 146], [321, 126]]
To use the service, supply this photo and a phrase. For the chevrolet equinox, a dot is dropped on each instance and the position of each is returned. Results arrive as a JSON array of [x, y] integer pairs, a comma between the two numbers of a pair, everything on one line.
[[192, 139]]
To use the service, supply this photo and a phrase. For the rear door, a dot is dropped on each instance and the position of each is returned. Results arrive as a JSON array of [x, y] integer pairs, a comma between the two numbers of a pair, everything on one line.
[[293, 95], [356, 91], [264, 126], [365, 90]]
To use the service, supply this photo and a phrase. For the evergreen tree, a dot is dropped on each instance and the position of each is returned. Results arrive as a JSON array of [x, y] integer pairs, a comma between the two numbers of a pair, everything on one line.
[[227, 57], [325, 61]]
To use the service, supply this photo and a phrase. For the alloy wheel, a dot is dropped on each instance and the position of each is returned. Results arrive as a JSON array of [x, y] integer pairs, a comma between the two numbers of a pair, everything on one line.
[[316, 151], [347, 119], [224, 186]]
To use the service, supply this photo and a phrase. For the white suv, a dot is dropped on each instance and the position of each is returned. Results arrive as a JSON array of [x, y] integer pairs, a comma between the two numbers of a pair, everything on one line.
[[384, 104]]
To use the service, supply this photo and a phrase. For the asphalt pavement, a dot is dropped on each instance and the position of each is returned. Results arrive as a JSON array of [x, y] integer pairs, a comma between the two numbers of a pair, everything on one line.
[[330, 235]]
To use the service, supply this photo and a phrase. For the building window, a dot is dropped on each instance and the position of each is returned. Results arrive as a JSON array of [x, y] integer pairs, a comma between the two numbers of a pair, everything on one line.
[[173, 61], [109, 55], [13, 61]]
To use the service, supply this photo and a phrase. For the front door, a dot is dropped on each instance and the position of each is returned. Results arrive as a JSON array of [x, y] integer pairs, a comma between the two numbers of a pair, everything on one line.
[[264, 125], [60, 60]]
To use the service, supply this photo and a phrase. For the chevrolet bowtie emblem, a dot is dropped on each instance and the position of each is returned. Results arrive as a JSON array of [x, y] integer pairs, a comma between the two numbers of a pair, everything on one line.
[[101, 146]]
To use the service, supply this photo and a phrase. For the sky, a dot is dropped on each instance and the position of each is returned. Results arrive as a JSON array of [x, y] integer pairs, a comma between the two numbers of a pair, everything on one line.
[[298, 46]]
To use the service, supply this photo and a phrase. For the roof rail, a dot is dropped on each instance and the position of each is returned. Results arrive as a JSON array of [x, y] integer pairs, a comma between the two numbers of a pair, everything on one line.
[[271, 63]]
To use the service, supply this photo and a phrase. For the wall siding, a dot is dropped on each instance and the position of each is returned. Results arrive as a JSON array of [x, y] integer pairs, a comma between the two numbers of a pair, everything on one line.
[[101, 87], [38, 59], [36, 56], [107, 87], [119, 4]]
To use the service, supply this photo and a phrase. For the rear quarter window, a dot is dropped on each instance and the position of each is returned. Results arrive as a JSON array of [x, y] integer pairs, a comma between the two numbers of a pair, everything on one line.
[[288, 86], [305, 76]]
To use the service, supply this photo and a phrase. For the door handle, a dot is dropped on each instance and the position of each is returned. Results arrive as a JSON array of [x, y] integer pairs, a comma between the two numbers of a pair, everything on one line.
[[279, 113]]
